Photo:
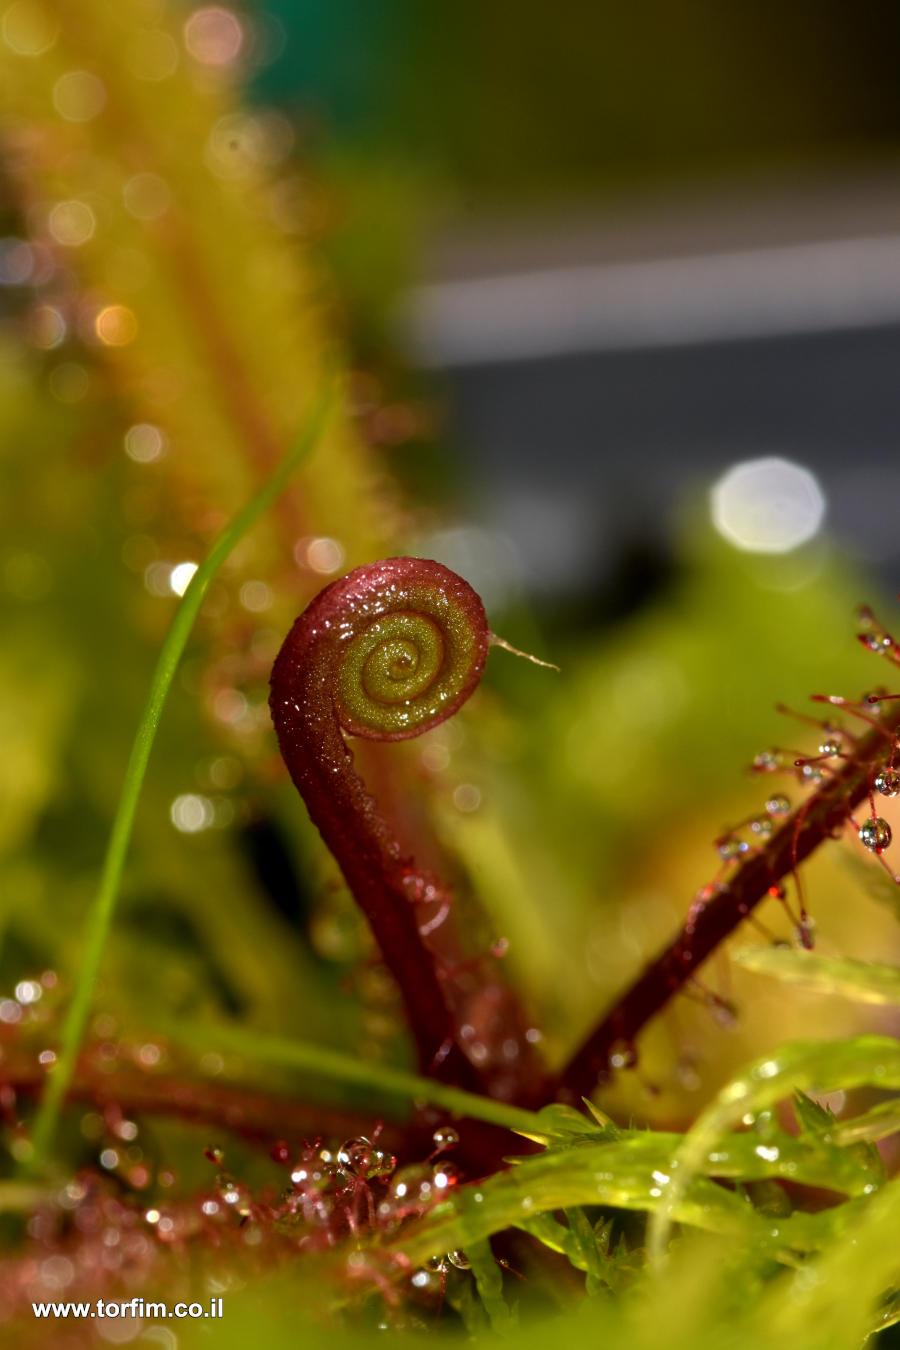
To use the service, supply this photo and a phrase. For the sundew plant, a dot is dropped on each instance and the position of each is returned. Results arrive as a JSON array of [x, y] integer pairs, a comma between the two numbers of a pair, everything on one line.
[[364, 975]]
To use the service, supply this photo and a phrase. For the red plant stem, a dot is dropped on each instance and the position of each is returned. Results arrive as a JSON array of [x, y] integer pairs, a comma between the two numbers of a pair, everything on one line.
[[263, 1118], [414, 638], [817, 820], [257, 1116]]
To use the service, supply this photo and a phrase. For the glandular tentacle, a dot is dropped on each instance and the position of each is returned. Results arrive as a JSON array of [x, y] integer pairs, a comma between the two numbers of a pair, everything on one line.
[[385, 653]]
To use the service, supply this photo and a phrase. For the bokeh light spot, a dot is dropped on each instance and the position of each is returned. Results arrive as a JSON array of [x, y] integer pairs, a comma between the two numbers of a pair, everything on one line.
[[158, 577], [46, 327], [16, 262], [191, 813], [768, 505], [144, 443], [320, 555], [28, 29], [181, 576], [239, 144], [78, 96], [146, 196], [230, 706], [466, 797], [71, 223], [256, 596], [115, 326], [213, 36]]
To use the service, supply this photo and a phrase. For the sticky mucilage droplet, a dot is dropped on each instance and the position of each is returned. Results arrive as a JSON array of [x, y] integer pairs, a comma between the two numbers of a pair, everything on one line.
[[361, 1158], [445, 1137], [730, 847], [887, 782], [875, 834]]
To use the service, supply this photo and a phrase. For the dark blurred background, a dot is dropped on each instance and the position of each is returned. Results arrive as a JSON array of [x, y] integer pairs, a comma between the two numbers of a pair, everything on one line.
[[652, 242]]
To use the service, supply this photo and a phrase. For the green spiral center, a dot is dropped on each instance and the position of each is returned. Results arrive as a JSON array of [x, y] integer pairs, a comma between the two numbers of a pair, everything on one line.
[[398, 674], [401, 656]]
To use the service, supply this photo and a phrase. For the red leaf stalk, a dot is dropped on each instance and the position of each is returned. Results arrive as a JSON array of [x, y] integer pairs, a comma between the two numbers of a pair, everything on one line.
[[386, 652]]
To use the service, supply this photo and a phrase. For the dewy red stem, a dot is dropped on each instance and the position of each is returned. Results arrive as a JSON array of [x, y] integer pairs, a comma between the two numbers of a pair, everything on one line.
[[257, 1116], [710, 924], [387, 652]]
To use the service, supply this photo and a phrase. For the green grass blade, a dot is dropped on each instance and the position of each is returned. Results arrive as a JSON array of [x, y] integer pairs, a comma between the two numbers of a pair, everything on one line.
[[103, 905], [333, 1065], [614, 1175], [880, 1122], [864, 981], [802, 1066]]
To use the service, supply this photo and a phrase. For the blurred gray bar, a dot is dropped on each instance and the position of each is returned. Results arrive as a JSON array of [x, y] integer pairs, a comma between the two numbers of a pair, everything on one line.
[[779, 289]]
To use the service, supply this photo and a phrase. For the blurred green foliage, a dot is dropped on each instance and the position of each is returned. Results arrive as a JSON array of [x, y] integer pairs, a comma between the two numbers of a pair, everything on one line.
[[592, 797]]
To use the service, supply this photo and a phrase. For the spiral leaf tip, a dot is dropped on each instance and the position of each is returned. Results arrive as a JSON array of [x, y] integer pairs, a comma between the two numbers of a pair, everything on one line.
[[396, 647]]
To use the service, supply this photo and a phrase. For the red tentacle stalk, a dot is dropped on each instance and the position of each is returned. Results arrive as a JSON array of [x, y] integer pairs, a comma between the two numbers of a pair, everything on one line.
[[386, 653], [716, 915]]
